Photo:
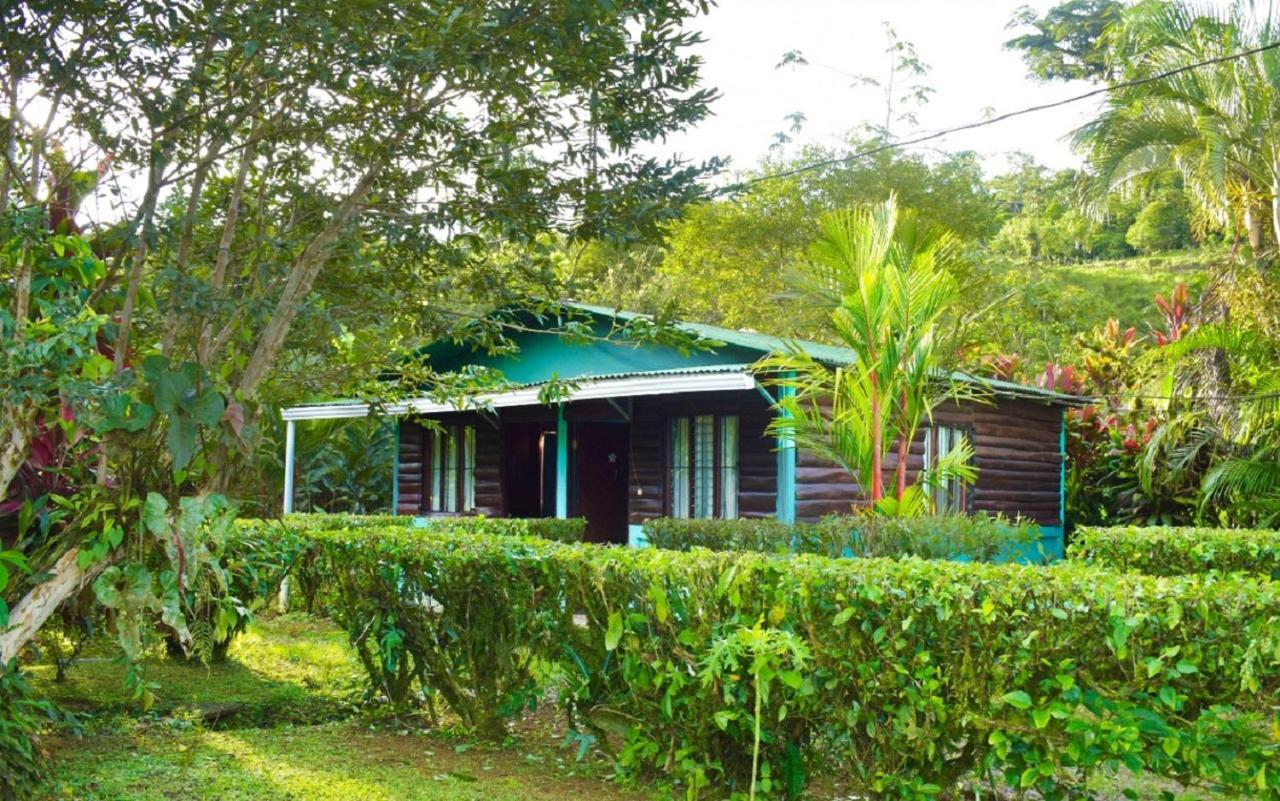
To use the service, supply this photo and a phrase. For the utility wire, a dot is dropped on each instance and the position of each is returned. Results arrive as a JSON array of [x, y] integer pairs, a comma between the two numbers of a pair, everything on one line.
[[739, 186]]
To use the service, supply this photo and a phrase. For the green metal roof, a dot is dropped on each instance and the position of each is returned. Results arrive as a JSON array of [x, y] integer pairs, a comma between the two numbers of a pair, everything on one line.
[[833, 355]]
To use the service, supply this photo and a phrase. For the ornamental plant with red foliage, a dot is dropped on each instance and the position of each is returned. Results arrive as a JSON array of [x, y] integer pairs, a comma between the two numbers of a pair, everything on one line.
[[1107, 440]]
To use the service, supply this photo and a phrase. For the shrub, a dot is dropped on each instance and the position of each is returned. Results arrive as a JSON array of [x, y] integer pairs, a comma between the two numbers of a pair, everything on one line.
[[21, 717], [762, 534], [547, 528], [978, 537], [551, 528], [907, 676], [1169, 551]]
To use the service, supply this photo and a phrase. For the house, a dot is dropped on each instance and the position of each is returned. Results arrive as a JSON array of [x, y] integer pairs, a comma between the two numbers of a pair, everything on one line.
[[646, 431]]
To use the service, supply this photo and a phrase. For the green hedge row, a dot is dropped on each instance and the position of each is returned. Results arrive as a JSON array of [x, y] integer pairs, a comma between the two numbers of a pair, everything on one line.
[[570, 530], [909, 677], [979, 538], [1169, 551]]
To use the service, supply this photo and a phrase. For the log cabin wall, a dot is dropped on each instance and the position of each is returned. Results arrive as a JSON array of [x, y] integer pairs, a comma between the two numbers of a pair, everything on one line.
[[412, 466], [650, 441], [1016, 446]]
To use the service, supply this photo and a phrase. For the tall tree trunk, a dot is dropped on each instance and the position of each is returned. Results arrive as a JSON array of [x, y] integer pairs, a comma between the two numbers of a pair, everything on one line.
[[219, 277], [900, 471], [1275, 204], [877, 446], [302, 276], [145, 215], [29, 614], [10, 140], [16, 425], [1253, 227]]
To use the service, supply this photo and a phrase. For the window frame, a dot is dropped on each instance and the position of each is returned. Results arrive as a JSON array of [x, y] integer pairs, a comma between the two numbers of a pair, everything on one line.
[[683, 499], [448, 470], [953, 488]]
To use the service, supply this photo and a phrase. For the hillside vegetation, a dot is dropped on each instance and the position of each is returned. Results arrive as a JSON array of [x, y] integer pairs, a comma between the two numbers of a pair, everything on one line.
[[1043, 306]]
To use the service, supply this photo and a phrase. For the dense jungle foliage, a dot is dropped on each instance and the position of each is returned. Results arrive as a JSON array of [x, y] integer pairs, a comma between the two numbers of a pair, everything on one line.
[[190, 240]]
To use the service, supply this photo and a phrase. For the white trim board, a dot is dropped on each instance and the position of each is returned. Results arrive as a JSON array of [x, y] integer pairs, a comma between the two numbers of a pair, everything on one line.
[[585, 390]]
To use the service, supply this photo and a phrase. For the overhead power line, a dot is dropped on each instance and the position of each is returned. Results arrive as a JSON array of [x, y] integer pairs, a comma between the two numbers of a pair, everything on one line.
[[871, 151]]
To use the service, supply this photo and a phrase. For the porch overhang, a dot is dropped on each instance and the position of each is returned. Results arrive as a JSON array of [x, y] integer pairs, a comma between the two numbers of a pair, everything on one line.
[[590, 389]]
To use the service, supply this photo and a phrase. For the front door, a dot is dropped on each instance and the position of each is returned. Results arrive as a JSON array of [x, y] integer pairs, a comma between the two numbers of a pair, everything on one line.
[[600, 452]]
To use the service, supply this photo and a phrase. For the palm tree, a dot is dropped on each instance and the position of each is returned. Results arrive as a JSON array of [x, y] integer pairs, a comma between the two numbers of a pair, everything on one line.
[[883, 277], [1217, 125]]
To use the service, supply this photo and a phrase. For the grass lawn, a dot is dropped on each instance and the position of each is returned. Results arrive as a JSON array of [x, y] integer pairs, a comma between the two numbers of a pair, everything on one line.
[[290, 669], [298, 732], [322, 762]]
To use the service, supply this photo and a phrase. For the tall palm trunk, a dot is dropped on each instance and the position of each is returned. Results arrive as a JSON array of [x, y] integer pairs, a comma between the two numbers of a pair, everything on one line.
[[877, 443]]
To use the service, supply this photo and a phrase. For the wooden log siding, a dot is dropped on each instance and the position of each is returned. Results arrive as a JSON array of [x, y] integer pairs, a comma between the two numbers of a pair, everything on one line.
[[650, 442], [409, 470], [413, 465], [1016, 450]]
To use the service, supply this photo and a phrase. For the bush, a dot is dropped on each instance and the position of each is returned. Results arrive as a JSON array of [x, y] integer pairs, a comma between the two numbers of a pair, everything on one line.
[[1163, 224], [762, 534], [551, 528], [977, 538], [906, 676], [547, 528], [1170, 551], [21, 717]]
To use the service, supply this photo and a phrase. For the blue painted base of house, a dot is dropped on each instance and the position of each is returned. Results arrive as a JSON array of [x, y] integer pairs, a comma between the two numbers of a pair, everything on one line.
[[1049, 548], [635, 537]]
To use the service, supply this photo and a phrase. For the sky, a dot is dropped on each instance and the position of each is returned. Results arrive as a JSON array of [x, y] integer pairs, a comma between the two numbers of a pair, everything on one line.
[[961, 41]]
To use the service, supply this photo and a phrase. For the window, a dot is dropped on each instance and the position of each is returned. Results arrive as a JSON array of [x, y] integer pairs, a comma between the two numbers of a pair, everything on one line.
[[704, 466], [451, 469], [951, 495]]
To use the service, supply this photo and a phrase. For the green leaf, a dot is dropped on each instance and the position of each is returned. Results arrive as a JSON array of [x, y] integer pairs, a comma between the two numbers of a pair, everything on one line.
[[1170, 745], [207, 408], [182, 441], [613, 635], [155, 514], [843, 616], [1017, 699]]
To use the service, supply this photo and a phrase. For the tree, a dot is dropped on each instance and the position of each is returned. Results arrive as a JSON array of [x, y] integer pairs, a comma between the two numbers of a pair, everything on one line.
[[1163, 224], [729, 261], [287, 158], [1213, 124], [1069, 42], [900, 85], [883, 276]]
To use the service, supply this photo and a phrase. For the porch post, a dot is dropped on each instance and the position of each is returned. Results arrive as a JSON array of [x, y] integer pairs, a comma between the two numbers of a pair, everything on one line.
[[290, 442], [562, 463], [786, 511], [395, 472]]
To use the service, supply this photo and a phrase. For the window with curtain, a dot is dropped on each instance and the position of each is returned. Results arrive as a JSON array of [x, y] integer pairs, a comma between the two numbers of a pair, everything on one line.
[[451, 473], [951, 495], [704, 466]]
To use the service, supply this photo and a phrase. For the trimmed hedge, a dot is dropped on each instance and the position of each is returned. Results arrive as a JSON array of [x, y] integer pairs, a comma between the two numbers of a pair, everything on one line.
[[978, 538], [570, 530], [906, 676], [1170, 551]]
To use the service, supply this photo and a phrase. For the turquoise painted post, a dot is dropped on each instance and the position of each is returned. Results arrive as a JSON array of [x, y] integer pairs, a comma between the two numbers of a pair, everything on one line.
[[786, 510], [395, 472], [1062, 475], [562, 463]]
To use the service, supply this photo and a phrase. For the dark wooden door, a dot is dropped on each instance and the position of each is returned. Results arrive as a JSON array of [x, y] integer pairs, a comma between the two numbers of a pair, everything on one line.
[[600, 459]]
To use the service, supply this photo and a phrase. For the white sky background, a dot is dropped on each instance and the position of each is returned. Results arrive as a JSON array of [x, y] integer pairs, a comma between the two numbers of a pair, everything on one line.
[[961, 40]]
